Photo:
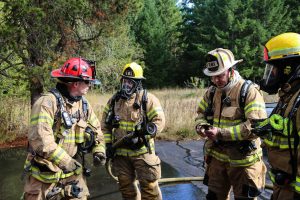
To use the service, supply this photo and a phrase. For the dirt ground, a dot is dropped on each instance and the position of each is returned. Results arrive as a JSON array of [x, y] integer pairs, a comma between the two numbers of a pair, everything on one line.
[[18, 142]]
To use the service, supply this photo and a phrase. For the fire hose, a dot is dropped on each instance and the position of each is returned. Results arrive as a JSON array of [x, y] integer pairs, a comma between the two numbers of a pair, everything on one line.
[[176, 180]]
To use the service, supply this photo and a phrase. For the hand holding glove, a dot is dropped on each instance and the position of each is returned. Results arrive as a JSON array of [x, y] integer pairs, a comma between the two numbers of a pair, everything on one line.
[[201, 128], [72, 166], [99, 159], [73, 189]]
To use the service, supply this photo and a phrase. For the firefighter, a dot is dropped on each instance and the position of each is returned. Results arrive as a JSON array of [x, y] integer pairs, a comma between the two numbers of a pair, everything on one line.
[[134, 116], [281, 129], [233, 155], [60, 121]]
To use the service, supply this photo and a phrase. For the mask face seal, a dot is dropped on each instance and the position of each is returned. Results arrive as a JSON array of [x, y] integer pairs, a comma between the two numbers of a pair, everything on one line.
[[128, 87]]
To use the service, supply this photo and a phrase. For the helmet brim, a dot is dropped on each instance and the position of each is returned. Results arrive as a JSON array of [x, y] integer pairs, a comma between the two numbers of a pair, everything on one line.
[[136, 78], [58, 74], [220, 71], [282, 58]]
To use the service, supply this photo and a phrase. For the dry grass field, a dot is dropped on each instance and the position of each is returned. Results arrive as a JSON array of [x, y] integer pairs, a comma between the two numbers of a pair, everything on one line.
[[179, 106]]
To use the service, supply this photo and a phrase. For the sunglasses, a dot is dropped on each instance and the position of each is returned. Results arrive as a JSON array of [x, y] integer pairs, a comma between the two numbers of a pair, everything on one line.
[[88, 82]]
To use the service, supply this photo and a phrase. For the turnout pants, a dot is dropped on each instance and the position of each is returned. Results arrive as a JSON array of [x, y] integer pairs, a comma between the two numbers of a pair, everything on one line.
[[246, 182], [144, 168]]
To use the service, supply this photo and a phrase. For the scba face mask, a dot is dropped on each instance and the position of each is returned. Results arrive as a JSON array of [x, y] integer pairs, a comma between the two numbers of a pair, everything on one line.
[[275, 75], [128, 87]]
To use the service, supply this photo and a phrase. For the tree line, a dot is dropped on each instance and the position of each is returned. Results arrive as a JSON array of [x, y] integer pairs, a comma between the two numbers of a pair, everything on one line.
[[168, 38]]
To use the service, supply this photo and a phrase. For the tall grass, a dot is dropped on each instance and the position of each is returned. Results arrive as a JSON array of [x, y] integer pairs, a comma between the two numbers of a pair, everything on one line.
[[14, 118], [179, 106]]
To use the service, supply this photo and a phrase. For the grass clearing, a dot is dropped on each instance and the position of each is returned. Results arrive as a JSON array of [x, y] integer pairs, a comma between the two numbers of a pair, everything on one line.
[[179, 106]]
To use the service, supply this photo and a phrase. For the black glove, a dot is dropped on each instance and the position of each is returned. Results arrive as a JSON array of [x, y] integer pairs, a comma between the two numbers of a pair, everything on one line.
[[99, 159], [109, 150], [73, 189]]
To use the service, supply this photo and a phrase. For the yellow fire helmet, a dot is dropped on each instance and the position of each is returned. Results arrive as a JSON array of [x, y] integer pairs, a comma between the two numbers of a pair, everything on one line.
[[218, 61], [282, 46], [133, 70]]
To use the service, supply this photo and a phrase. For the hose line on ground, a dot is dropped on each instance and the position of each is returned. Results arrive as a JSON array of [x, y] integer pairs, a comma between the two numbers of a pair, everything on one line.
[[177, 180]]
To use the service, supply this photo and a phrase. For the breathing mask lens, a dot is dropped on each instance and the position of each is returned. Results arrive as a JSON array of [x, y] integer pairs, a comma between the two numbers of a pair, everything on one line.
[[128, 87]]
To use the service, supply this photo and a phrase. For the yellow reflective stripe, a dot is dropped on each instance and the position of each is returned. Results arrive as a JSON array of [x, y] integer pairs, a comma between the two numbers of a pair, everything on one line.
[[99, 148], [294, 184], [217, 155], [285, 51], [153, 112], [57, 155], [128, 126], [203, 105], [70, 138], [27, 163], [274, 142], [247, 161], [272, 176], [278, 141], [48, 177], [106, 108], [236, 163], [41, 118], [224, 123], [130, 153], [235, 132], [254, 105], [79, 138], [284, 143], [297, 184], [107, 137]]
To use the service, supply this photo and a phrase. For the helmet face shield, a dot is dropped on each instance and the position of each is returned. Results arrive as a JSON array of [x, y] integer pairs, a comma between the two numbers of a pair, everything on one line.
[[270, 74], [271, 81]]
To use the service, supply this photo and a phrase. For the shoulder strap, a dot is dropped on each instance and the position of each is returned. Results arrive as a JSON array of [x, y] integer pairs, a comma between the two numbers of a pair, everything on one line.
[[211, 97], [144, 103], [59, 99], [244, 92], [85, 107], [208, 113]]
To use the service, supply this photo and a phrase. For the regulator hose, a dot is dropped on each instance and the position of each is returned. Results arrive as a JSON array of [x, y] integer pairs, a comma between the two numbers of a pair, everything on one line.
[[88, 144], [165, 181]]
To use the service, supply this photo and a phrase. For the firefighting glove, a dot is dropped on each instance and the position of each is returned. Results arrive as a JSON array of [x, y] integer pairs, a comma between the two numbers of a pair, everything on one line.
[[201, 128], [72, 166], [110, 151], [73, 189], [99, 159]]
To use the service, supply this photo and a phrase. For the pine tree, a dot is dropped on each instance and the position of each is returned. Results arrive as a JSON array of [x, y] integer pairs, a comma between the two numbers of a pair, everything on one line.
[[239, 25], [156, 32]]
